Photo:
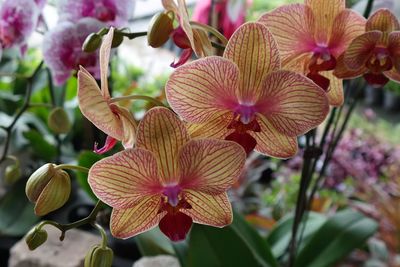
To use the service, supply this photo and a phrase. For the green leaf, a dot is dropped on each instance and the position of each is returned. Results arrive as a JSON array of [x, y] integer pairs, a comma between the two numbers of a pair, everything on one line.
[[153, 243], [235, 245], [40, 146], [280, 235], [16, 212], [340, 235], [86, 159]]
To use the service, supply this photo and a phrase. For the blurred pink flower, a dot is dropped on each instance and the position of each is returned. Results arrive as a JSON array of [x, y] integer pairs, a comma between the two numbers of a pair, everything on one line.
[[62, 49], [18, 20], [112, 12], [231, 14]]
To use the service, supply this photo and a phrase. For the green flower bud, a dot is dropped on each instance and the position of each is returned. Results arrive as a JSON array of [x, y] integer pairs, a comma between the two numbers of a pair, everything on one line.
[[58, 121], [160, 27], [12, 173], [99, 257], [35, 238], [117, 39], [48, 188], [92, 43]]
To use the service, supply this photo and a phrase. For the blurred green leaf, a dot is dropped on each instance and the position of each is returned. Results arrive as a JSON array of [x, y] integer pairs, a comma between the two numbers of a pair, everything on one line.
[[16, 212], [280, 235], [153, 243], [40, 146], [340, 235], [86, 159]]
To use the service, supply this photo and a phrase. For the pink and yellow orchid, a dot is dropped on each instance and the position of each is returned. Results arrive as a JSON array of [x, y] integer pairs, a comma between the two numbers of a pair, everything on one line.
[[95, 103], [245, 97], [184, 36], [167, 179], [312, 36], [376, 53]]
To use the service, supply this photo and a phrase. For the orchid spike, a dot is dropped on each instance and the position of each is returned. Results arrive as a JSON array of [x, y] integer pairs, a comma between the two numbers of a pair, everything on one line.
[[117, 122], [376, 53], [245, 97], [167, 179], [190, 40], [311, 37]]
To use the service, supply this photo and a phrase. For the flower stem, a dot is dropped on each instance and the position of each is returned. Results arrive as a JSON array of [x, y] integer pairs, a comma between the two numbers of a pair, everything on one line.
[[72, 167], [197, 25], [368, 8], [136, 97], [104, 240]]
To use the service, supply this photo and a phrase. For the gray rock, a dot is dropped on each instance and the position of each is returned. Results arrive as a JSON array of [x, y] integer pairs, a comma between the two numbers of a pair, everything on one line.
[[157, 261], [54, 253]]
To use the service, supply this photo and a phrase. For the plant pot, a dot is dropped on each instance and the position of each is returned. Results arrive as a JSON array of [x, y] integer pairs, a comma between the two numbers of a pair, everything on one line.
[[391, 101], [373, 96]]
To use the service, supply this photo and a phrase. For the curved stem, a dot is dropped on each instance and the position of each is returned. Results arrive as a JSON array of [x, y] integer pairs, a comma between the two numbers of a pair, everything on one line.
[[72, 167], [137, 97], [220, 36], [134, 35], [104, 240]]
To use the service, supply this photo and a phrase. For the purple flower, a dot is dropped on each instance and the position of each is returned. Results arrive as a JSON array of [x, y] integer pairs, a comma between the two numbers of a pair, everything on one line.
[[18, 20], [112, 12], [62, 49]]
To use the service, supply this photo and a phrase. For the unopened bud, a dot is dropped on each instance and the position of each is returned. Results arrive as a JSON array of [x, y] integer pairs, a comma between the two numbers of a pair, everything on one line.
[[99, 257], [160, 27], [117, 39], [48, 188], [12, 173], [92, 43], [58, 121], [35, 238]]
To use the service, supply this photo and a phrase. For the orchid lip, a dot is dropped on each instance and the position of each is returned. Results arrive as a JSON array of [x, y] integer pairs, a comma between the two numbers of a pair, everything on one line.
[[172, 193], [323, 52], [246, 112]]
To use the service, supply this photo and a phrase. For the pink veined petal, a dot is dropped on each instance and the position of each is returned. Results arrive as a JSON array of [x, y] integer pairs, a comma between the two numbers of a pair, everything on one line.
[[175, 225], [347, 26], [185, 56], [343, 72], [129, 126], [214, 210], [293, 29], [325, 13], [394, 48], [273, 143], [360, 49], [203, 89], [253, 49], [125, 178], [393, 75], [292, 103], [162, 133], [108, 145], [141, 217], [335, 90], [95, 108], [210, 166], [383, 20], [216, 128], [104, 55]]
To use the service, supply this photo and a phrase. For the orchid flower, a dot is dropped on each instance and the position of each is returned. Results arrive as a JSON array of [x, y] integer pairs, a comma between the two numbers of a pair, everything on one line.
[[111, 12], [95, 103], [311, 37], [231, 14], [190, 40], [245, 97], [18, 20], [62, 49], [376, 53], [167, 179]]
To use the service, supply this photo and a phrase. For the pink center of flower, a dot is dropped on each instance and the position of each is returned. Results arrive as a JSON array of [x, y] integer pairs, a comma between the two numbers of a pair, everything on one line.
[[246, 113], [172, 193]]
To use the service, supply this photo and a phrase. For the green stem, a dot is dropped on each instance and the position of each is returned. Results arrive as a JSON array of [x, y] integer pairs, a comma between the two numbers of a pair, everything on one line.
[[218, 46], [104, 240], [134, 35], [137, 97], [368, 8], [220, 36], [71, 167]]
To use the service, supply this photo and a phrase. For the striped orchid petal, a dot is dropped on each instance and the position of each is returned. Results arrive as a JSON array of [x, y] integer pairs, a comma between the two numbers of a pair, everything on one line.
[[335, 93], [292, 103], [104, 54], [124, 178], [383, 20], [162, 133], [141, 217], [253, 49], [394, 48], [343, 72], [216, 128], [203, 89], [273, 143], [210, 166], [393, 75], [214, 210]]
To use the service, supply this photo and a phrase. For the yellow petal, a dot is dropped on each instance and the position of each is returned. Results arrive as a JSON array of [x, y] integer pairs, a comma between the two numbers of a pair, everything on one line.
[[383, 20], [217, 127], [211, 166], [129, 126], [122, 179], [335, 90], [162, 133], [214, 210], [253, 49], [143, 216]]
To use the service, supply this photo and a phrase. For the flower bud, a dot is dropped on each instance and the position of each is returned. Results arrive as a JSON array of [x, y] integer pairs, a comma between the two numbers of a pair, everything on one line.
[[48, 188], [160, 27], [99, 257], [117, 39], [92, 43], [58, 121], [35, 238], [12, 173]]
